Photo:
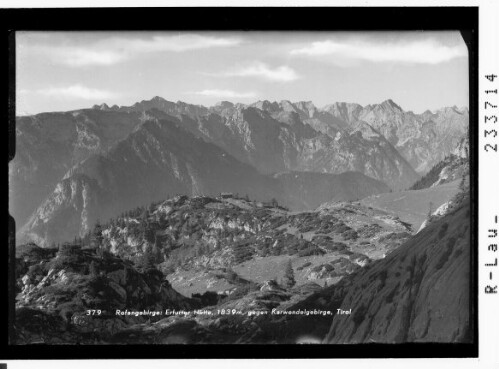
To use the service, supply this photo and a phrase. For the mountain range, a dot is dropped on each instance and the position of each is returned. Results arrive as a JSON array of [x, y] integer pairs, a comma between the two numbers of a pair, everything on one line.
[[73, 168]]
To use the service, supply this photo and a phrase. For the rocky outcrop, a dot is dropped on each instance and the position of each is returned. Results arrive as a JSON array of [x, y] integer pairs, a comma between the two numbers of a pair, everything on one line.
[[453, 167], [440, 212], [60, 288], [270, 285], [70, 210]]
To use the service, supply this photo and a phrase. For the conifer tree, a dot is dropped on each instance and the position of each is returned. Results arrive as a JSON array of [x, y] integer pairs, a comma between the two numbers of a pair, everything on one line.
[[289, 275], [148, 260]]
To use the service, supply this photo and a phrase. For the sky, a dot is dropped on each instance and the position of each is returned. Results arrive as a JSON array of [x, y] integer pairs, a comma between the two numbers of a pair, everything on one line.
[[60, 71]]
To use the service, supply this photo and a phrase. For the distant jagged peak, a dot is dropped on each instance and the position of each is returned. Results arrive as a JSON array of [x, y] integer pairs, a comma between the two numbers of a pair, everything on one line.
[[464, 110], [387, 105], [157, 98], [301, 105], [452, 110], [342, 105], [339, 109], [155, 101], [271, 106], [173, 108], [342, 108], [305, 105], [346, 112], [304, 108], [229, 110], [105, 107], [391, 105], [102, 106], [185, 106]]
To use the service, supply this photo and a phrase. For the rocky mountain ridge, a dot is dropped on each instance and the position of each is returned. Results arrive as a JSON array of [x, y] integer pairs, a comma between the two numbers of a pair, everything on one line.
[[205, 235], [422, 139]]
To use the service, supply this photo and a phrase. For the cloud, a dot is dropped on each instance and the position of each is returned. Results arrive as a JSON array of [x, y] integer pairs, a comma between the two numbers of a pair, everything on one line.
[[226, 94], [427, 51], [181, 43], [261, 70], [76, 92], [118, 49], [79, 57]]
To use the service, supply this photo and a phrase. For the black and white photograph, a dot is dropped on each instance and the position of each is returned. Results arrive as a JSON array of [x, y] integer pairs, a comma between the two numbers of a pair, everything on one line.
[[257, 187], [251, 182]]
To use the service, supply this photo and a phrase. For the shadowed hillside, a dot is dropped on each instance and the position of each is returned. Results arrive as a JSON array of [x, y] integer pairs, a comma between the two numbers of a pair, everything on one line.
[[419, 293]]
